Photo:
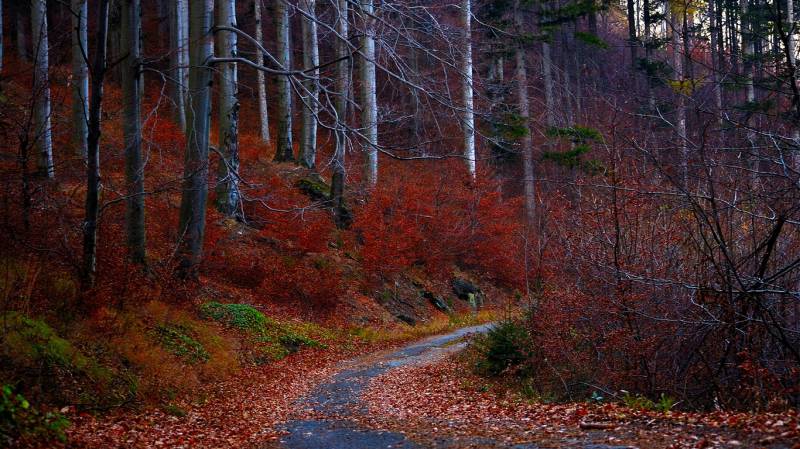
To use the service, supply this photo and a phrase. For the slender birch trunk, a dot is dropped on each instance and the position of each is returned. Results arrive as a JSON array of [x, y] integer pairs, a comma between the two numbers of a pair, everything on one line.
[[43, 133], [195, 175], [132, 130], [547, 75], [524, 111], [308, 150], [179, 43], [263, 111], [466, 85], [93, 150], [228, 198], [680, 108], [341, 214], [80, 77], [369, 101], [284, 151]]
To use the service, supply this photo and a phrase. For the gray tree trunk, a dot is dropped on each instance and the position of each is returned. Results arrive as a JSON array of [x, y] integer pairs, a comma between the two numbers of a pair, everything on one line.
[[132, 129], [308, 144], [547, 75], [80, 77], [195, 174], [43, 133], [369, 101], [466, 87], [179, 46], [263, 111], [715, 66], [343, 80], [228, 197], [93, 151], [680, 108], [283, 150], [524, 111], [20, 28]]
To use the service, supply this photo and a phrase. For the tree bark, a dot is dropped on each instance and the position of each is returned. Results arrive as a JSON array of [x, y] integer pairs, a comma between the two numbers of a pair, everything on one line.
[[523, 106], [680, 108], [284, 151], [228, 197], [547, 75], [132, 130], [93, 151], [263, 111], [715, 65], [369, 101], [80, 77], [308, 150], [341, 215], [195, 175], [466, 85], [43, 133], [179, 43], [20, 31]]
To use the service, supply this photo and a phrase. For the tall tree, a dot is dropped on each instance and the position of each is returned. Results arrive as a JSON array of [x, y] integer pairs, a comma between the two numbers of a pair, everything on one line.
[[20, 29], [466, 87], [283, 150], [369, 100], [132, 129], [523, 106], [308, 141], [676, 22], [195, 173], [93, 149], [179, 58], [228, 171], [1, 36], [43, 133], [342, 95], [263, 112], [80, 77]]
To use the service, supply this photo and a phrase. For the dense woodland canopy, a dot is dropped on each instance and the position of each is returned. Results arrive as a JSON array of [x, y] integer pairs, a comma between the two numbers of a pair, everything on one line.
[[628, 171]]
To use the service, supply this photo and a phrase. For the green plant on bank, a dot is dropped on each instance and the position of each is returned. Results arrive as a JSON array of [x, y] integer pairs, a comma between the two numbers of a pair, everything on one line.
[[19, 419], [273, 339], [505, 347], [640, 402], [177, 340]]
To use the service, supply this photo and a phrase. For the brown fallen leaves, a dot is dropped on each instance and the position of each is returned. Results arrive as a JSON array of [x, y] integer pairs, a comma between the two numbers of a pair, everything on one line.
[[240, 412], [443, 400]]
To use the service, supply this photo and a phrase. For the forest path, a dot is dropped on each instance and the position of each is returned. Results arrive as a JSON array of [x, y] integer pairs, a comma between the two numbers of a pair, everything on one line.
[[332, 408]]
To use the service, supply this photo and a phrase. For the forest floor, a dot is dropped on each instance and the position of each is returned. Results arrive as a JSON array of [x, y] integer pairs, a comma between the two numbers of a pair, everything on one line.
[[416, 396]]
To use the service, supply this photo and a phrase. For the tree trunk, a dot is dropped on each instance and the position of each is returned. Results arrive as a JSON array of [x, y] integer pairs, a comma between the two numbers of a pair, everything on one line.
[[341, 215], [195, 175], [547, 75], [524, 111], [283, 150], [93, 151], [132, 129], [80, 77], [1, 36], [369, 101], [43, 133], [680, 108], [632, 32], [263, 112], [20, 30], [466, 84], [308, 150], [179, 43], [228, 198], [715, 66]]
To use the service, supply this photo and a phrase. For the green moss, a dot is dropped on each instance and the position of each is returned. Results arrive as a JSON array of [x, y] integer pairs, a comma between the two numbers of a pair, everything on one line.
[[273, 340], [177, 340], [240, 316], [31, 342], [174, 410], [315, 187]]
